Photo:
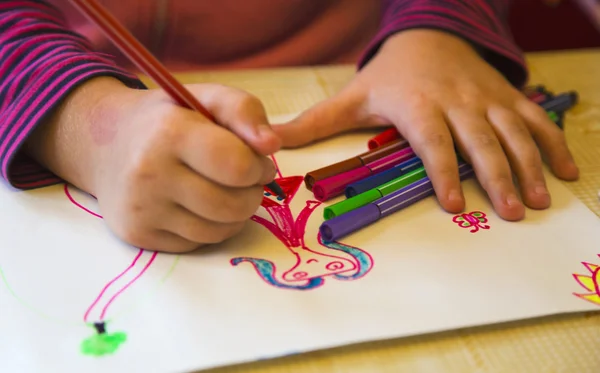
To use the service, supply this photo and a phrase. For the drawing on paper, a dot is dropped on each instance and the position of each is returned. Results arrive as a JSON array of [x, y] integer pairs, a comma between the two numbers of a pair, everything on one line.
[[475, 220], [590, 282], [102, 342], [336, 260]]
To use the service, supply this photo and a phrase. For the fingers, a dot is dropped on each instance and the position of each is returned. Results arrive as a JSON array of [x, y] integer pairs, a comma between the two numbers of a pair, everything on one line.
[[550, 139], [168, 242], [336, 115], [241, 113], [214, 202], [477, 139], [193, 229], [222, 157], [431, 140], [523, 155]]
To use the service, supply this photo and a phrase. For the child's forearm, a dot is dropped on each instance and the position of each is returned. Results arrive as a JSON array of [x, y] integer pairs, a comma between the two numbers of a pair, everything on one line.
[[480, 22], [42, 63]]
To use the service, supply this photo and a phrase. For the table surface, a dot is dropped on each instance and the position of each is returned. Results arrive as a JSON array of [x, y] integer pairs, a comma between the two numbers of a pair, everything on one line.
[[567, 343]]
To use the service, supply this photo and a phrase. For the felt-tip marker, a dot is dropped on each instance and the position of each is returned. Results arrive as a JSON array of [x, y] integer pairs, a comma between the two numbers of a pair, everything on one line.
[[352, 163], [379, 179], [383, 138], [335, 185], [560, 103], [343, 225]]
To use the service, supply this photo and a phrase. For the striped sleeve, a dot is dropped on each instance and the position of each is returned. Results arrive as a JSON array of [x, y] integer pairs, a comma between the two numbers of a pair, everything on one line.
[[42, 61], [483, 23]]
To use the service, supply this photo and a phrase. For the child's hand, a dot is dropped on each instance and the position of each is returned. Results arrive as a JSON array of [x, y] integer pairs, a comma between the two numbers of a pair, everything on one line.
[[165, 177], [440, 93]]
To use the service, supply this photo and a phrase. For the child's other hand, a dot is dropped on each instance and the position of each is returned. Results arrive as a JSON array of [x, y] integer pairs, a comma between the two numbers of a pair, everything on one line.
[[167, 178], [440, 93]]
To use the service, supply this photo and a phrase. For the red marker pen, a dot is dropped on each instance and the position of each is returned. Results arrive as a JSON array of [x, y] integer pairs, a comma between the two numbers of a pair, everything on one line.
[[385, 137]]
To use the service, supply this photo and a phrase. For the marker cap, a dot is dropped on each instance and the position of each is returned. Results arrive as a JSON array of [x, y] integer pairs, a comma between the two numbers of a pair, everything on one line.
[[334, 186], [385, 137], [335, 169], [345, 224]]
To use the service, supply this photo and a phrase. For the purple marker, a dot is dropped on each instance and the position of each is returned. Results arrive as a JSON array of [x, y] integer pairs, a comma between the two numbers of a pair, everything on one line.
[[342, 225]]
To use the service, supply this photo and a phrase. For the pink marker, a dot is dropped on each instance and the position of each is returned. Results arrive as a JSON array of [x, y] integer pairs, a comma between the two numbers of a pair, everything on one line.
[[335, 185]]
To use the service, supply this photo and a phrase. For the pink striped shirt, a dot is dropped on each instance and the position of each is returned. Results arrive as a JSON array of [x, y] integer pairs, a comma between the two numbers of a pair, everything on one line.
[[47, 48]]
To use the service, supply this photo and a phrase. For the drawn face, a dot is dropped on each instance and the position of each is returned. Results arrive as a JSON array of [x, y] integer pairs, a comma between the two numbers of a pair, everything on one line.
[[311, 264]]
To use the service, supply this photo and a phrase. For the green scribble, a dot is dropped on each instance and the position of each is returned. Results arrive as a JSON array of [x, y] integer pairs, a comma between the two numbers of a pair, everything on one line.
[[32, 308], [103, 344]]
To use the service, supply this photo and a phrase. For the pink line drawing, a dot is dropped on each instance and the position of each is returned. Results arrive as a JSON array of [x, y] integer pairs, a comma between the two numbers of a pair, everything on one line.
[[103, 343], [312, 266], [474, 220], [85, 317]]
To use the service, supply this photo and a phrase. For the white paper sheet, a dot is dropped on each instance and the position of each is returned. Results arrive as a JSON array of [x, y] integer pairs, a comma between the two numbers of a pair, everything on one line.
[[414, 272]]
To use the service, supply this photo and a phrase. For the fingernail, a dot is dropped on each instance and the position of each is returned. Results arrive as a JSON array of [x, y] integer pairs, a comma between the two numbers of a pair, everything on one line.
[[454, 195], [541, 190], [512, 200]]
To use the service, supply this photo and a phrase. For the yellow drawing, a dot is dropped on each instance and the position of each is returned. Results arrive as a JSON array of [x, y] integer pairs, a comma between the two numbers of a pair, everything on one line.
[[590, 282]]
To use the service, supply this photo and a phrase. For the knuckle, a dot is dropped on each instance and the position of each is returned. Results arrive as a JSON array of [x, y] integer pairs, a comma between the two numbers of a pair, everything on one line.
[[484, 140], [140, 170], [419, 100], [519, 129], [434, 139], [223, 232], [500, 181], [247, 101], [445, 173], [167, 133], [135, 235], [470, 96], [243, 169], [243, 205]]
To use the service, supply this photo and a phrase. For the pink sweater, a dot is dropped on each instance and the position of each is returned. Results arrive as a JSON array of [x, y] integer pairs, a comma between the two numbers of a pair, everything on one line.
[[47, 48]]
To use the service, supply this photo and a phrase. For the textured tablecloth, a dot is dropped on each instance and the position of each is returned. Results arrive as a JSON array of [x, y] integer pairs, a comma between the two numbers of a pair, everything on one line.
[[568, 343]]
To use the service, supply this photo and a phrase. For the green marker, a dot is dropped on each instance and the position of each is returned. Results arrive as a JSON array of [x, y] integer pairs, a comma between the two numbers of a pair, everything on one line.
[[374, 194], [553, 116]]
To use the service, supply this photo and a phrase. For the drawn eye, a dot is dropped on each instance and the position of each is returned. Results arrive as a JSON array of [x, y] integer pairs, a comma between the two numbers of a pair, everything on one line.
[[312, 260], [333, 266], [300, 275]]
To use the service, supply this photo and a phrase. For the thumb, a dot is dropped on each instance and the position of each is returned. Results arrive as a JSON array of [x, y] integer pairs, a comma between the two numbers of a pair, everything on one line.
[[241, 113], [341, 113]]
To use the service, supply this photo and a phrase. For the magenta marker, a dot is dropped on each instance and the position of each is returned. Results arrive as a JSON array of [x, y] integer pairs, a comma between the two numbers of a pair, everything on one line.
[[335, 185]]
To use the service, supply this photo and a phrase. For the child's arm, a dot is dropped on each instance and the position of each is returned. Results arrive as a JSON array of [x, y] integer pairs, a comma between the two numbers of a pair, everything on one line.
[[42, 62], [483, 23], [446, 73], [165, 177]]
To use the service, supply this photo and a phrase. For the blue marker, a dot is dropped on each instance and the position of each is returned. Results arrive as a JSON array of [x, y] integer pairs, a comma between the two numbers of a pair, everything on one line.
[[376, 180]]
